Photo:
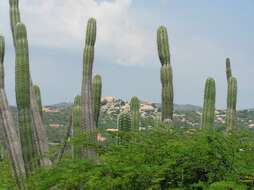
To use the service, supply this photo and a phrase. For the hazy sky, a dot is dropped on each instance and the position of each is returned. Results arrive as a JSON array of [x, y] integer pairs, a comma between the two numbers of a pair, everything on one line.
[[202, 34]]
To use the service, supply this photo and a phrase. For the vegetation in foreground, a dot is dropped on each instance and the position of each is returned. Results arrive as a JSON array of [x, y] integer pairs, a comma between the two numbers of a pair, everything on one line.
[[159, 158]]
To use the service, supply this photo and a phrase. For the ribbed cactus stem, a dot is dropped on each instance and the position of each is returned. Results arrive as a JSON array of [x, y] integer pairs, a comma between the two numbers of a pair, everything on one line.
[[97, 86], [166, 75], [135, 115], [37, 93], [76, 127], [163, 46], [228, 69], [87, 116], [124, 122], [231, 104], [209, 104], [77, 100], [22, 82], [2, 52], [14, 17], [167, 95]]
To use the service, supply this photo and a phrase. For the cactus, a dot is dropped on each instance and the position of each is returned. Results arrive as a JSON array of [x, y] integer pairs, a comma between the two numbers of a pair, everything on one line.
[[228, 69], [209, 104], [14, 17], [167, 92], [97, 85], [231, 104], [166, 74], [37, 93], [124, 122], [87, 116], [135, 115], [2, 51], [22, 82], [76, 127]]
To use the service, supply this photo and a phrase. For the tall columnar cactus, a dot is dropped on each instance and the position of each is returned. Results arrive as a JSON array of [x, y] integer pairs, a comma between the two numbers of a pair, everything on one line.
[[14, 17], [209, 104], [231, 104], [97, 86], [166, 74], [87, 117], [76, 127], [37, 93], [135, 115], [2, 51], [228, 69], [124, 122], [22, 82]]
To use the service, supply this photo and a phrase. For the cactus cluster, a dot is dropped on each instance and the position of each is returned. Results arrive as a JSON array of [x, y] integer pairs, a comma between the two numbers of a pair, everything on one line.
[[135, 115], [167, 104], [97, 88], [209, 104], [22, 82]]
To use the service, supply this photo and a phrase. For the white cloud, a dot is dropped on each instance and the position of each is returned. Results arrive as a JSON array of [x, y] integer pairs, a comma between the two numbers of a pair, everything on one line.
[[61, 24]]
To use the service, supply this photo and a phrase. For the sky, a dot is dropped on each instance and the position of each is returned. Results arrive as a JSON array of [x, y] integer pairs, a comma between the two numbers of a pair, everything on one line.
[[202, 33]]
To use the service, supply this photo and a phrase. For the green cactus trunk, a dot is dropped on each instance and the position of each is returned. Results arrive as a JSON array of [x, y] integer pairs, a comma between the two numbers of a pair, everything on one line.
[[124, 122], [2, 52], [97, 86], [22, 81], [135, 115], [37, 93], [14, 17], [166, 75], [167, 93], [231, 104], [228, 69], [87, 116], [209, 104], [76, 128]]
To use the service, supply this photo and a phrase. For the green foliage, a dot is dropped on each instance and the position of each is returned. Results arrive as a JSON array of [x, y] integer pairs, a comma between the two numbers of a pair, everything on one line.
[[231, 104], [209, 104], [97, 88], [159, 158], [135, 115], [226, 185], [22, 88], [6, 181], [2, 52]]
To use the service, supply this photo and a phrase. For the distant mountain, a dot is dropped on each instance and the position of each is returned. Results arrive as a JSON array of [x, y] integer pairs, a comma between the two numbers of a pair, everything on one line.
[[182, 107]]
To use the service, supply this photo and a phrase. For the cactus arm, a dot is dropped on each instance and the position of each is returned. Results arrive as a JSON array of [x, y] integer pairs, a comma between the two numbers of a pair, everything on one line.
[[228, 69], [2, 52], [97, 86]]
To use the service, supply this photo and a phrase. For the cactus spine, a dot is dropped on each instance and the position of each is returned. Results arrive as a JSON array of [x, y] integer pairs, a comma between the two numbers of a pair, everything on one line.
[[231, 104], [87, 117], [2, 51], [37, 93], [76, 127], [228, 69], [135, 115], [22, 82], [166, 74], [97, 86], [209, 104], [124, 122]]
